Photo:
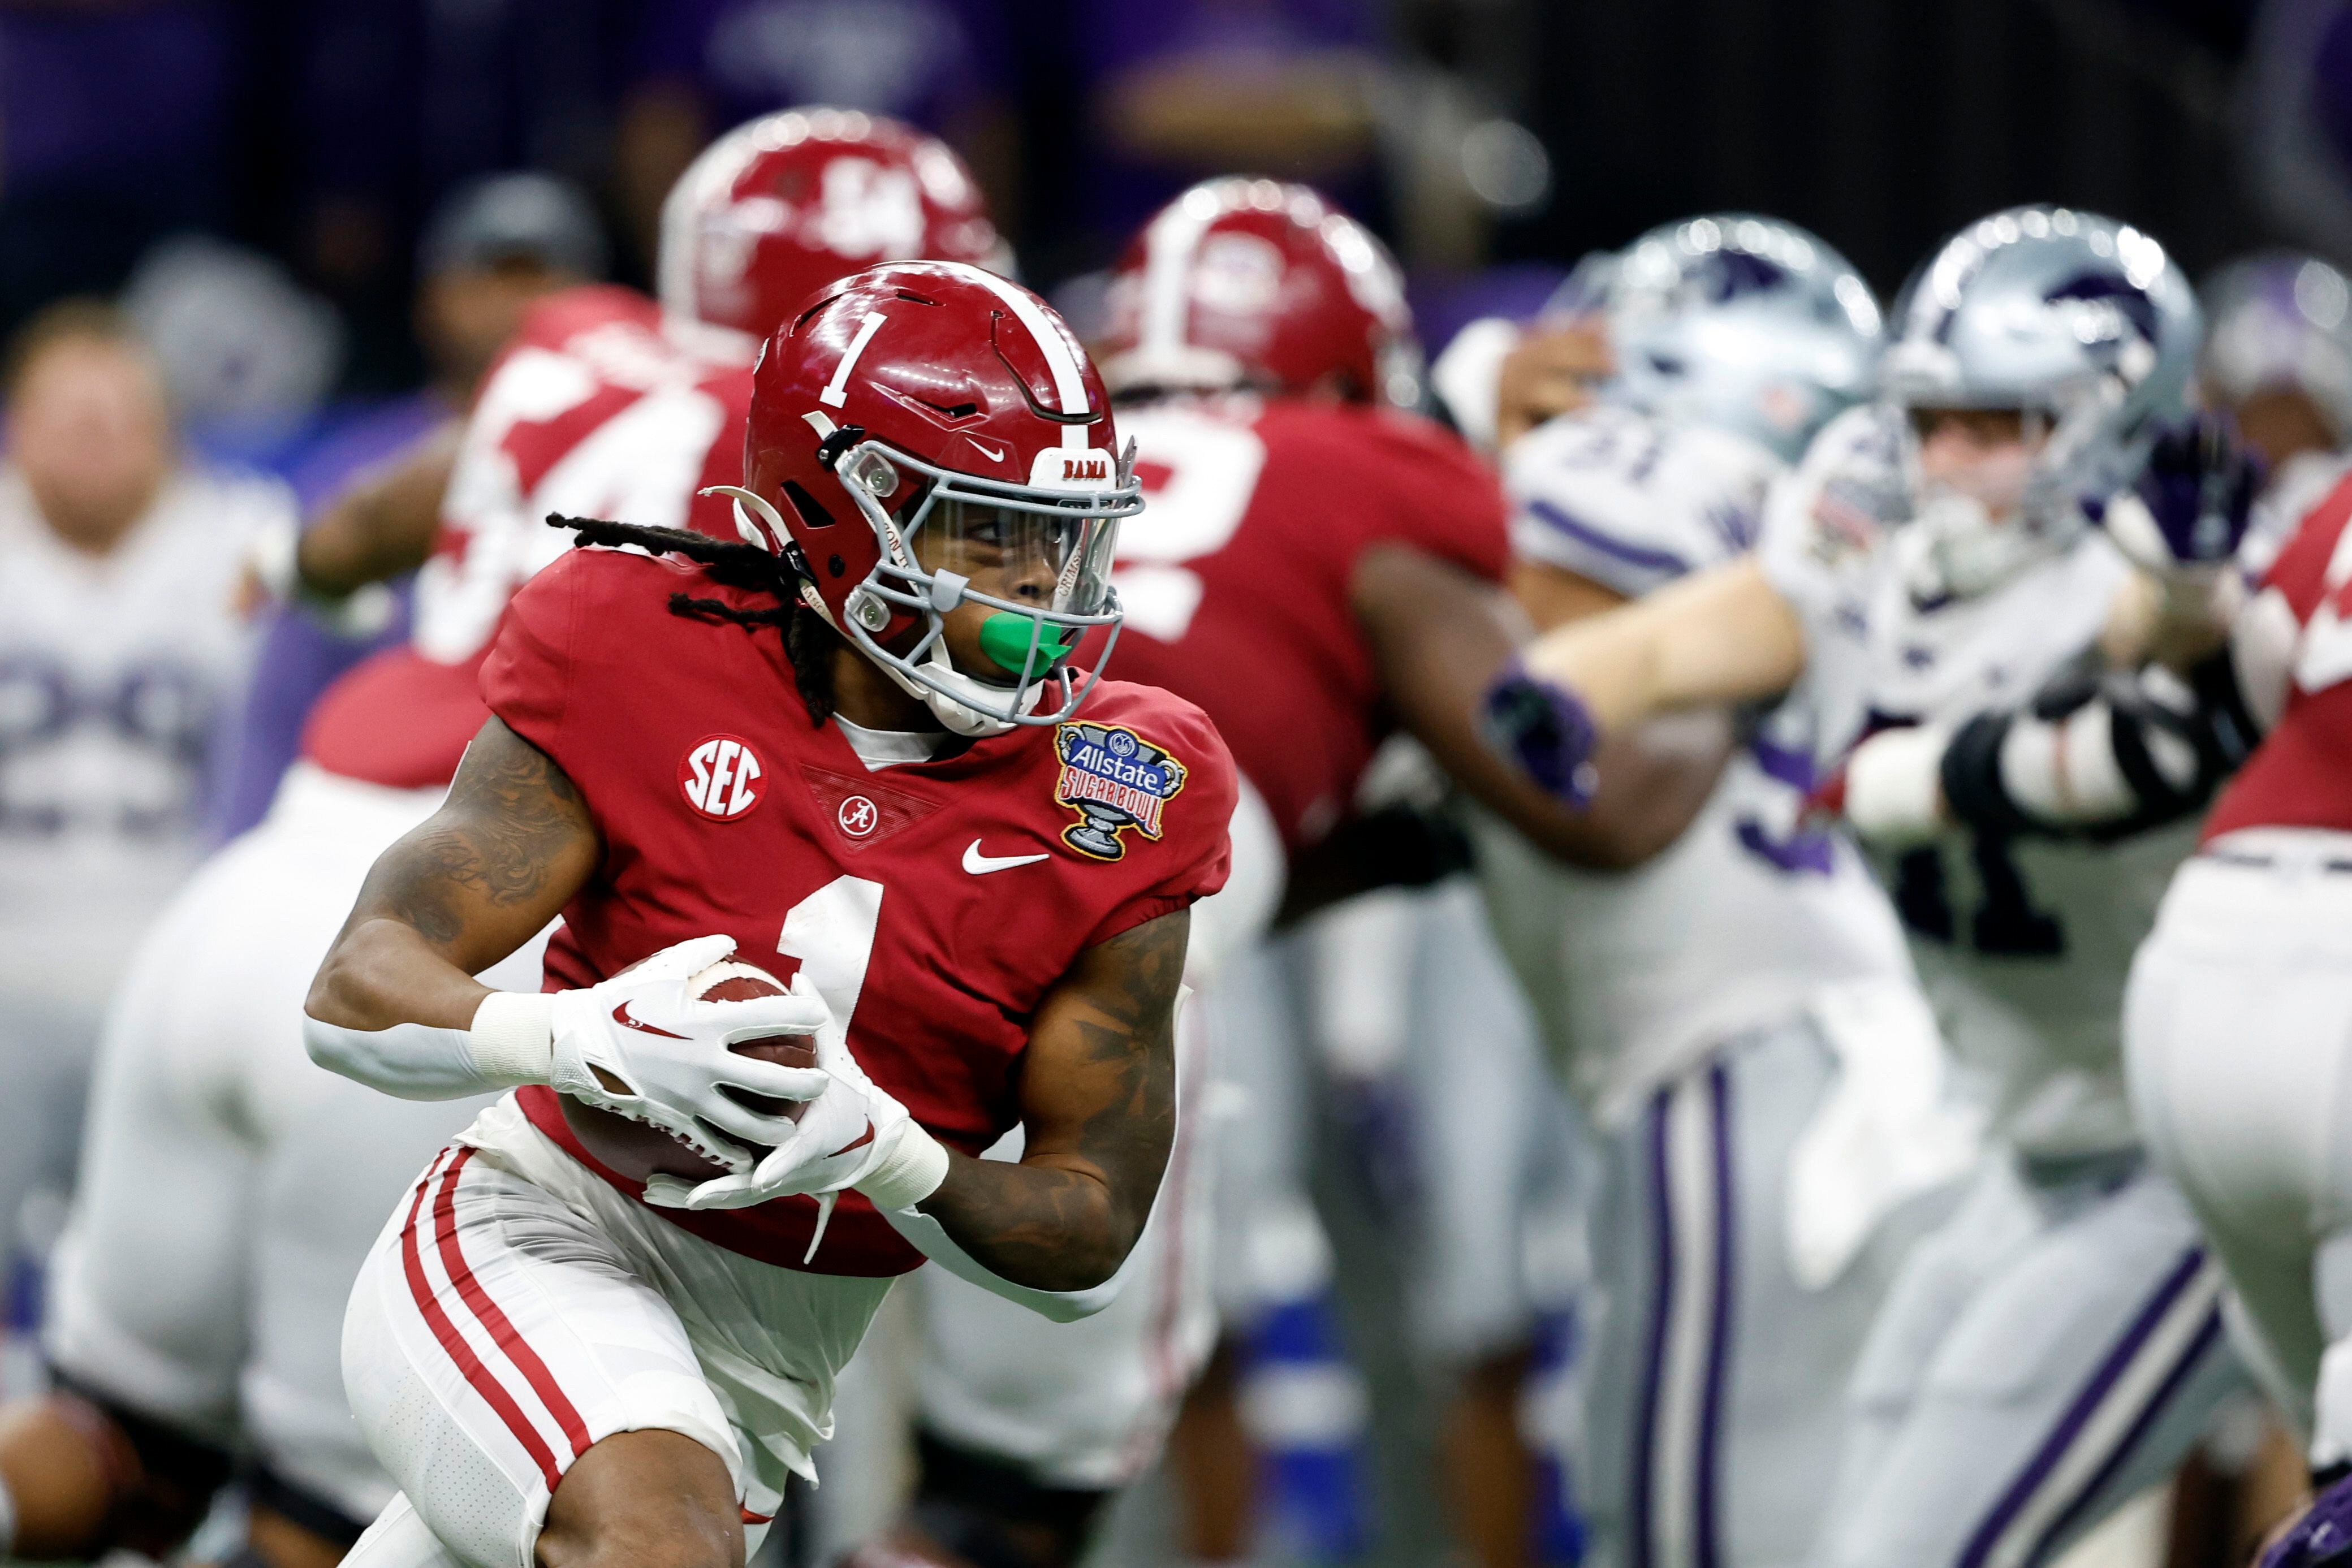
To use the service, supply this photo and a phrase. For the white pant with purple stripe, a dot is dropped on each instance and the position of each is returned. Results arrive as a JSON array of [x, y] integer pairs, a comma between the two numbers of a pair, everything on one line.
[[1710, 1429], [2052, 1350]]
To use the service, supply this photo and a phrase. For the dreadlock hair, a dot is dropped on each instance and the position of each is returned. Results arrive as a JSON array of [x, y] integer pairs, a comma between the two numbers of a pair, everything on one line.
[[809, 643]]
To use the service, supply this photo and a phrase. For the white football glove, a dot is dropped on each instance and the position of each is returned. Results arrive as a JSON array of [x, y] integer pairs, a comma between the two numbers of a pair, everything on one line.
[[640, 1046], [853, 1134]]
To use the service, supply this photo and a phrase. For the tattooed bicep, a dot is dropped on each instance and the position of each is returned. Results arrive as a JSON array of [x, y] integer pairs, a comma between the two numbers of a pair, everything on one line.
[[510, 847]]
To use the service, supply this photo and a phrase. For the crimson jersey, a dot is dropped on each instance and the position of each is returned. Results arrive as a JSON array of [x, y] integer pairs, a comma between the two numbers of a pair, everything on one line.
[[2301, 775], [932, 904], [1236, 579], [591, 410]]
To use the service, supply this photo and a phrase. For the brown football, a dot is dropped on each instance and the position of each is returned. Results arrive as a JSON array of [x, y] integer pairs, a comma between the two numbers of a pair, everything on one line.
[[636, 1151]]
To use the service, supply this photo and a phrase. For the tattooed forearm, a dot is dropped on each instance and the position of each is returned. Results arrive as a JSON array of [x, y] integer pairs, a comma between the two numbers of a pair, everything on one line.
[[1100, 1103]]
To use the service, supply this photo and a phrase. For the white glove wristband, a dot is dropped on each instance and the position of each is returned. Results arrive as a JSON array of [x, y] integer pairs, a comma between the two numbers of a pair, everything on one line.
[[513, 1037], [912, 1169]]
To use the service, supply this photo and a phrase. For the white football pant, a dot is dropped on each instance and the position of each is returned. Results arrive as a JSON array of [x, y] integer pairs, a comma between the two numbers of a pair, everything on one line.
[[2239, 1040], [517, 1309], [229, 1188], [2051, 1351]]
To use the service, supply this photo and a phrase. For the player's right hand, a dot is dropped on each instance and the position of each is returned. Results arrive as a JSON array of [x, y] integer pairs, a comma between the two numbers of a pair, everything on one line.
[[641, 1046], [2193, 503]]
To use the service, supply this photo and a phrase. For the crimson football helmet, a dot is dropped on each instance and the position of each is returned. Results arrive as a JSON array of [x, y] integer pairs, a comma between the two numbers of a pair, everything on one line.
[[1252, 283], [934, 410], [783, 204]]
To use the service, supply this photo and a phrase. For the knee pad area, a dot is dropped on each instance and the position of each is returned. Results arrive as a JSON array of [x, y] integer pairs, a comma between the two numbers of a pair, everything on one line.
[[993, 1515], [161, 1482]]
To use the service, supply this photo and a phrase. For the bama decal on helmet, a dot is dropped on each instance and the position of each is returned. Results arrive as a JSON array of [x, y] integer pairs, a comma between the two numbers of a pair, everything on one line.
[[1114, 779], [720, 777]]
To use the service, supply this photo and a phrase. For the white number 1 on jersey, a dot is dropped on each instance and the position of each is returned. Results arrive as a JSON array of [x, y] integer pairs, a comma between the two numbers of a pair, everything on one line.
[[831, 932]]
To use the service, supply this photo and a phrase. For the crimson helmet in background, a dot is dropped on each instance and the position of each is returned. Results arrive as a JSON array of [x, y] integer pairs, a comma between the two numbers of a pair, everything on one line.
[[1252, 283], [931, 403], [781, 207]]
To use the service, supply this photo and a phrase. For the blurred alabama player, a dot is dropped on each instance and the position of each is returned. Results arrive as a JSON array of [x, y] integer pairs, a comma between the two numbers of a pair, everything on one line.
[[2056, 1346], [2239, 1015], [1316, 566], [1739, 1013], [559, 1362], [209, 1131]]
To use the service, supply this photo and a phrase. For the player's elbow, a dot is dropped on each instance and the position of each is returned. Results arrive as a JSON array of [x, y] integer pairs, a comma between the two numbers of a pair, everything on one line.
[[1082, 1270], [347, 991]]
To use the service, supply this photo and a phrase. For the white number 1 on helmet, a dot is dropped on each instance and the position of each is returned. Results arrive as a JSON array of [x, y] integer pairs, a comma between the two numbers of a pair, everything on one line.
[[832, 396]]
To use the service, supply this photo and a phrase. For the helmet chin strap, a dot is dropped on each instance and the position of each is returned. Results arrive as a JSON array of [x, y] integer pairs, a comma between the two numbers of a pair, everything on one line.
[[959, 715]]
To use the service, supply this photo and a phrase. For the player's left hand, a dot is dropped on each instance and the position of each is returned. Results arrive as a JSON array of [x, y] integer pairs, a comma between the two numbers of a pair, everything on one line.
[[2191, 507], [850, 1128]]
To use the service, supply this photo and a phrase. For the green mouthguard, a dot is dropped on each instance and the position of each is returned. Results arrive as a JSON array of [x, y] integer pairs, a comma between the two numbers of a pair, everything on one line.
[[1015, 640]]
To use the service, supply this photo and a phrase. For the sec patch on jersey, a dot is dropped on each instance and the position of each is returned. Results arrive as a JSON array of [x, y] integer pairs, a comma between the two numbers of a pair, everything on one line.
[[719, 777], [1114, 780]]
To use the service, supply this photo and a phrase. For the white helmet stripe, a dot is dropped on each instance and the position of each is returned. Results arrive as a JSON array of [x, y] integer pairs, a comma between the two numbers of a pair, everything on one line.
[[1061, 362], [716, 168], [1169, 246]]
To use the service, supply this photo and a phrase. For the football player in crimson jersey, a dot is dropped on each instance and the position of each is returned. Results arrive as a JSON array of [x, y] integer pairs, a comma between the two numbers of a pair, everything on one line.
[[561, 1365], [232, 1191]]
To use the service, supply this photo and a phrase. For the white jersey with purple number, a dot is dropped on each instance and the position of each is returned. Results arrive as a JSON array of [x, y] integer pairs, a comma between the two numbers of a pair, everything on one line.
[[2023, 944], [113, 672], [1746, 918]]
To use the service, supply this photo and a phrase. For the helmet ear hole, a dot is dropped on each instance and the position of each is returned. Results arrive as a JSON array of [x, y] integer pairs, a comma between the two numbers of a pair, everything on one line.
[[811, 510]]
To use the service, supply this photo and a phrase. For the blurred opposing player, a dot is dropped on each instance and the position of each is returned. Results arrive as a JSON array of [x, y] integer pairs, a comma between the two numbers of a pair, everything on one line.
[[1315, 565], [1738, 1014], [209, 1127], [2056, 1345], [118, 652], [644, 1365]]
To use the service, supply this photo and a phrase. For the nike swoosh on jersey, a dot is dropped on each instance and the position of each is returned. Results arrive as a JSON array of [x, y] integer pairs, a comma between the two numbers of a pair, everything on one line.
[[981, 865], [989, 452], [621, 1016]]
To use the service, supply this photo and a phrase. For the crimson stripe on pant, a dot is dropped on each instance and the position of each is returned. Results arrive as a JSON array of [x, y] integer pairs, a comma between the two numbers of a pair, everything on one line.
[[487, 1314], [436, 1318]]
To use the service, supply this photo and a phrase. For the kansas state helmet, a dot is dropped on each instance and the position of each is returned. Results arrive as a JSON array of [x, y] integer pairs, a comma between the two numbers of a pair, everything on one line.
[[2281, 320], [1742, 323], [2080, 322]]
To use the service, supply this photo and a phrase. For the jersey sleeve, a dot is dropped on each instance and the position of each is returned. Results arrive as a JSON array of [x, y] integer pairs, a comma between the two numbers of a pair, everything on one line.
[[1630, 502], [527, 676], [1193, 854], [1436, 494]]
